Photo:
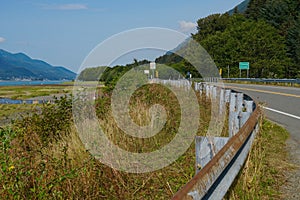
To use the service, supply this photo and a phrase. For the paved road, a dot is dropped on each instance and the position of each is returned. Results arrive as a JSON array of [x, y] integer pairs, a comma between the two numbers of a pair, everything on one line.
[[282, 106], [284, 99]]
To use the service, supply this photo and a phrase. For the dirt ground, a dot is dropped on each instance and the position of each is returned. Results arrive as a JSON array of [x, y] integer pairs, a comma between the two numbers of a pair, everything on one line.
[[291, 189]]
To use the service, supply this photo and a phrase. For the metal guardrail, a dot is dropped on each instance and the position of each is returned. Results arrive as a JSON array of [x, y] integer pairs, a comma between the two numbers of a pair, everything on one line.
[[264, 80], [218, 172]]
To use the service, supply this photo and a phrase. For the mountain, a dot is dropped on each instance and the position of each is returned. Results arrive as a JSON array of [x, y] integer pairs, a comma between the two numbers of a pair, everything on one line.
[[241, 8], [91, 74], [21, 66]]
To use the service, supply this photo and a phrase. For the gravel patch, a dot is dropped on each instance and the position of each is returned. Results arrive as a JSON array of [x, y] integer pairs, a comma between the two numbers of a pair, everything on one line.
[[291, 189]]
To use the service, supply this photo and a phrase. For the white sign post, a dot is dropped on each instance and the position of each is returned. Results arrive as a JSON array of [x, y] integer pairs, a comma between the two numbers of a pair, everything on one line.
[[152, 67], [146, 71]]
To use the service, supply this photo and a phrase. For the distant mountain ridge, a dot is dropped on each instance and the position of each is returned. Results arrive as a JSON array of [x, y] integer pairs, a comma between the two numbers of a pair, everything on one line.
[[20, 66], [241, 8]]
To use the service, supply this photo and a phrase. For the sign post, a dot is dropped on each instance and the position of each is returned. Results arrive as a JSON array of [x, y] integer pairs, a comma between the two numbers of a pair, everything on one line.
[[244, 66], [152, 67], [147, 72], [228, 71]]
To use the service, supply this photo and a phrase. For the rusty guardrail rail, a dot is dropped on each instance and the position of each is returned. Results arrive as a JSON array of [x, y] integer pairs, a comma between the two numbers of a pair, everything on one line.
[[219, 170], [216, 177]]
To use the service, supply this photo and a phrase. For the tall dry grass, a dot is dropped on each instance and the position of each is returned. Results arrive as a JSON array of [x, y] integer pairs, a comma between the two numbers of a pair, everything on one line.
[[42, 156], [263, 173]]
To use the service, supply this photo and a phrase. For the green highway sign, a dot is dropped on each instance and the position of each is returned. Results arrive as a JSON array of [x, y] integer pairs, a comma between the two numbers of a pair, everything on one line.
[[244, 65]]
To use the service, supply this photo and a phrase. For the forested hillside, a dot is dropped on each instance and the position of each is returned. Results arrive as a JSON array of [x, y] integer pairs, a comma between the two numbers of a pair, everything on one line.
[[284, 15], [233, 39], [91, 74], [265, 33], [108, 74]]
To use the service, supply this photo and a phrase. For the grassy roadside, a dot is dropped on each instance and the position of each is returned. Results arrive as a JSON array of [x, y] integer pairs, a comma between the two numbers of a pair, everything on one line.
[[263, 172], [41, 156]]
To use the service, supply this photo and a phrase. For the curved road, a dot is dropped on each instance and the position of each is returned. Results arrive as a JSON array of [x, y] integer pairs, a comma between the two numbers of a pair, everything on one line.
[[281, 105]]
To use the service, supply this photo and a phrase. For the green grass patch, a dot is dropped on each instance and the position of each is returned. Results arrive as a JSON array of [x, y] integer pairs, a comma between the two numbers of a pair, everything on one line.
[[25, 92], [263, 172]]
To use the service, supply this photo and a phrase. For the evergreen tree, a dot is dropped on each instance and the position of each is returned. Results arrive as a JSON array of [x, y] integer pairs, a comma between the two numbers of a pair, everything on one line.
[[293, 43], [254, 41]]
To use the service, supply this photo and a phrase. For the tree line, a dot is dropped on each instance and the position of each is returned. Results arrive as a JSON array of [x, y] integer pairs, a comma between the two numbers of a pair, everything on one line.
[[266, 34]]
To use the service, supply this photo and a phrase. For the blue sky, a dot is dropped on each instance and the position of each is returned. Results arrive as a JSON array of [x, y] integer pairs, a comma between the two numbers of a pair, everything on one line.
[[64, 32]]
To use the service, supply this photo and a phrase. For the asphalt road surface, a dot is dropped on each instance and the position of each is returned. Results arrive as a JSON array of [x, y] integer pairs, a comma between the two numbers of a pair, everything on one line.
[[281, 105]]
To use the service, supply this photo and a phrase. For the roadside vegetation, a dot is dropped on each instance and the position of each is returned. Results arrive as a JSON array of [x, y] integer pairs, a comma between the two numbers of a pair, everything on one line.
[[264, 171], [42, 156], [12, 111]]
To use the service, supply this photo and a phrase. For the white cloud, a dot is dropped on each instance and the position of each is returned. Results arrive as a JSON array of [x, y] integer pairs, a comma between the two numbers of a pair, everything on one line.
[[2, 39], [187, 27], [65, 7]]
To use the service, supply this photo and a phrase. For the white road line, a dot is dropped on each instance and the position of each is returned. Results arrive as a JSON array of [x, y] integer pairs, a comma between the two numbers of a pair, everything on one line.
[[283, 113]]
